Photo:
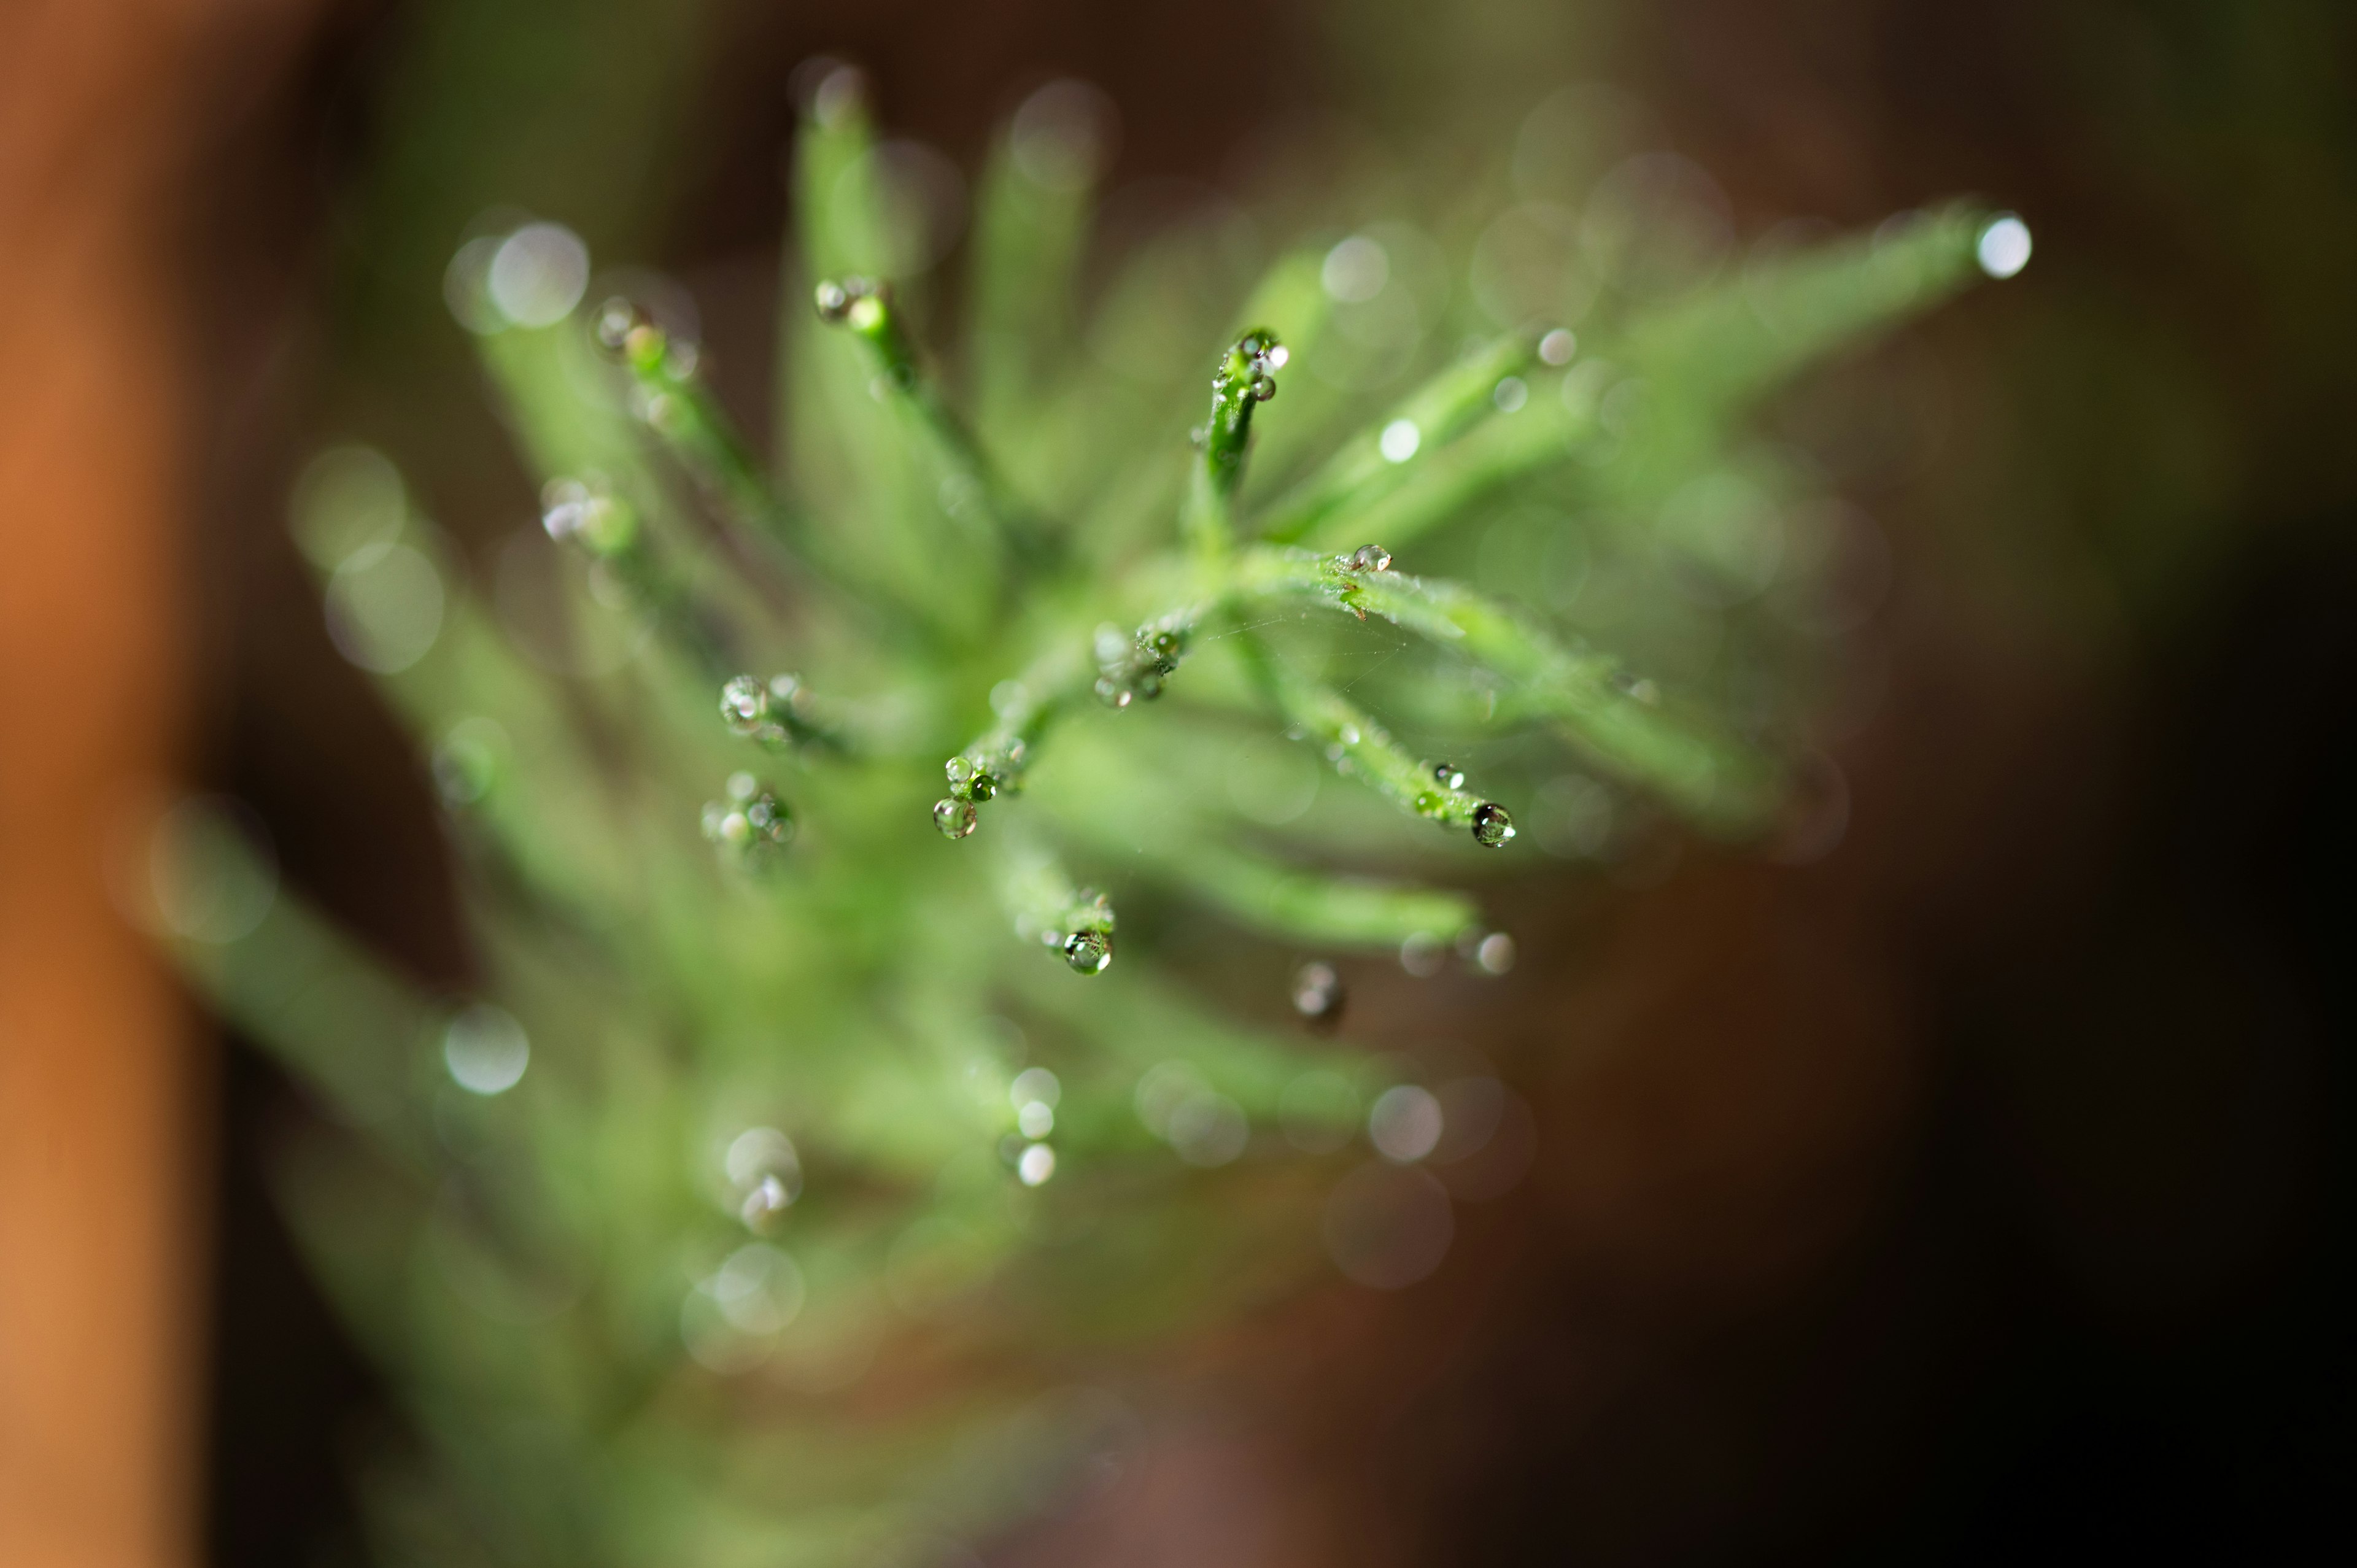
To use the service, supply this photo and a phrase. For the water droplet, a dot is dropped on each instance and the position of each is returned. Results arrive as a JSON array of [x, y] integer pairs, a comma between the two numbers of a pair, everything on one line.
[[1491, 826], [1318, 994], [1036, 1165], [1448, 776], [1559, 345], [764, 1203], [1371, 558], [956, 819], [1035, 1086], [615, 317], [1089, 953], [770, 820], [1399, 440], [486, 1050], [2004, 246], [1113, 694], [1495, 954], [538, 274], [1262, 388], [833, 301], [1430, 804], [1277, 355], [743, 705]]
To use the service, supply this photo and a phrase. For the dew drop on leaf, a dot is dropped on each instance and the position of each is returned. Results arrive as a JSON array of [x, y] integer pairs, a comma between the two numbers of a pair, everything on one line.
[[1089, 953]]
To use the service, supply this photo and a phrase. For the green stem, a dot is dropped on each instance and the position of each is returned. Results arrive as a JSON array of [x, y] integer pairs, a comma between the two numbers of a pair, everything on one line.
[[1244, 380], [1619, 720], [866, 308], [681, 409]]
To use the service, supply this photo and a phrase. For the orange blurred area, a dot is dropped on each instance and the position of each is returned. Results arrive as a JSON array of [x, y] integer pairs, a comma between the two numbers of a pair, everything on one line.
[[105, 1088]]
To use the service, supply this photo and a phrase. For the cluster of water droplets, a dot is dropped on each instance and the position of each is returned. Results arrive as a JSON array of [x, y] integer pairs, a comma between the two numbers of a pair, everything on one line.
[[1319, 995], [770, 711], [1246, 376], [752, 824], [653, 355], [857, 303], [1034, 1095], [1493, 825], [1133, 668]]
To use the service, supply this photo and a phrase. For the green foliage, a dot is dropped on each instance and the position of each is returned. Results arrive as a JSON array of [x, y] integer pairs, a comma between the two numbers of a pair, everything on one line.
[[754, 1220]]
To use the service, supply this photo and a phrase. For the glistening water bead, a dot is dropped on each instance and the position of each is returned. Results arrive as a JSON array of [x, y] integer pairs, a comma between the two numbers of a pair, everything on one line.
[[752, 824], [1448, 776], [1491, 826], [956, 819], [969, 781], [1089, 952], [1371, 558]]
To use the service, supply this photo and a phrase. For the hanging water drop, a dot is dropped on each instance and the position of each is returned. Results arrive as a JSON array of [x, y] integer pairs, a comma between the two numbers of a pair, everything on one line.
[[1113, 694], [956, 819], [1429, 803], [1089, 953], [1491, 826], [1318, 994], [969, 781], [1371, 558], [1448, 776], [1262, 388], [834, 300]]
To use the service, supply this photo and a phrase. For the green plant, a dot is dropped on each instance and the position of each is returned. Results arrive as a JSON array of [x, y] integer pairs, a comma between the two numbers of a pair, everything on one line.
[[759, 1217]]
